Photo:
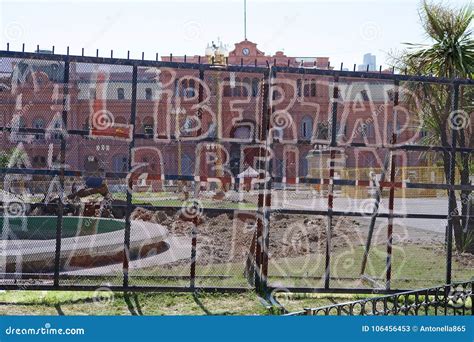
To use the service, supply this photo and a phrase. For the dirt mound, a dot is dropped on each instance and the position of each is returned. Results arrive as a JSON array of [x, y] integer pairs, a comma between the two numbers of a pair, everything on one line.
[[296, 235], [227, 238]]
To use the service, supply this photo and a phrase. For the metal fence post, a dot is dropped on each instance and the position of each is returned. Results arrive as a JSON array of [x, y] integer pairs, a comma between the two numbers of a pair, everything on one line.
[[133, 112], [452, 179], [265, 124], [194, 232], [59, 221], [268, 183], [391, 199], [333, 145]]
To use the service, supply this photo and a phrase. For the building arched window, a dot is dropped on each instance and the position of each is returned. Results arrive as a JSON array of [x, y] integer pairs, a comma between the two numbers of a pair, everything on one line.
[[148, 94], [120, 94], [313, 88], [255, 85], [237, 91], [246, 86], [306, 128]]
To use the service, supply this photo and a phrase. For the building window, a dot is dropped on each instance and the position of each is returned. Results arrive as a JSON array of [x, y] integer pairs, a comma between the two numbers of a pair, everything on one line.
[[188, 126], [255, 87], [298, 87], [390, 130], [148, 129], [365, 95], [57, 131], [279, 165], [86, 124], [148, 94], [313, 88], [306, 128], [176, 88], [322, 131], [304, 167], [184, 87], [147, 124], [227, 90], [367, 130], [120, 94], [186, 165], [91, 163], [306, 88], [275, 95], [391, 95], [38, 124], [237, 91], [39, 161], [212, 131], [21, 121], [245, 87], [191, 89], [92, 94], [120, 163], [366, 160], [341, 132]]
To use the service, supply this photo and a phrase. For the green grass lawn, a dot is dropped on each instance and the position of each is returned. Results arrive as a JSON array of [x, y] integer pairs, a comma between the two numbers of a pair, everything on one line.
[[205, 203], [413, 267], [106, 303]]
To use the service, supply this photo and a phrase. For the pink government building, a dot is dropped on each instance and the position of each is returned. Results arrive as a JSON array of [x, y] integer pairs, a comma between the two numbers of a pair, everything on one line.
[[167, 103]]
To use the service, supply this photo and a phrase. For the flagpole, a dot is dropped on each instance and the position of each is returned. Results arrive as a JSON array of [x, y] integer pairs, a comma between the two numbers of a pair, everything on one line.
[[245, 19]]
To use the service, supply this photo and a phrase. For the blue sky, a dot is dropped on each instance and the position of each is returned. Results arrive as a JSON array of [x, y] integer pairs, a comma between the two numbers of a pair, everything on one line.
[[342, 29]]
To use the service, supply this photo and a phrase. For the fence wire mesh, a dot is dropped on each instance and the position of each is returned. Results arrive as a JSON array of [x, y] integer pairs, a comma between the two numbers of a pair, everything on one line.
[[138, 174]]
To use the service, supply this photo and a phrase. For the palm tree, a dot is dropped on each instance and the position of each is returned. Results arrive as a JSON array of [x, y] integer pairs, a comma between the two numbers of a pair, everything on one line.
[[450, 54]]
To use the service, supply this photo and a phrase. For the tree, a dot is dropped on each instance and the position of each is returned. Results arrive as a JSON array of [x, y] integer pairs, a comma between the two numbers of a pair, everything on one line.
[[450, 54]]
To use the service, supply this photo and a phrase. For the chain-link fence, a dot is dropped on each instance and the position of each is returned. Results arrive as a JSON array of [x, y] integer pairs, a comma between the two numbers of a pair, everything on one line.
[[137, 174]]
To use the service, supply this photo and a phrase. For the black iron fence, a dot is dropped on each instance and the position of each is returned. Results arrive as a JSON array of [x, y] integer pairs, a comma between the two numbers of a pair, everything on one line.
[[148, 175], [446, 300]]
